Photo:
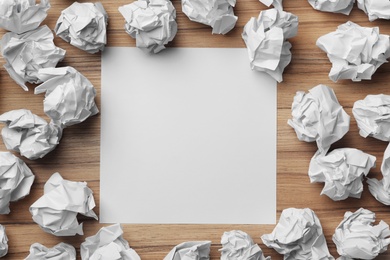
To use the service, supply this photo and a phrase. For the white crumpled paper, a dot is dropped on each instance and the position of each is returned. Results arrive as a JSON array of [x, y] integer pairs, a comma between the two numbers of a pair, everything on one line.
[[193, 250], [357, 238], [29, 134], [15, 178], [238, 245], [56, 211], [69, 98], [342, 171], [381, 189], [355, 52], [276, 3], [375, 8], [372, 115], [298, 236], [151, 22], [318, 116], [26, 53], [218, 14], [3, 241], [84, 26], [61, 251], [20, 16], [107, 244], [333, 6], [266, 41]]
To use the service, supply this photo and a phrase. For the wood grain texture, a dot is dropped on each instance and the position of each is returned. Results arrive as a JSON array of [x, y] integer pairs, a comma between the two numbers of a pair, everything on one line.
[[78, 155]]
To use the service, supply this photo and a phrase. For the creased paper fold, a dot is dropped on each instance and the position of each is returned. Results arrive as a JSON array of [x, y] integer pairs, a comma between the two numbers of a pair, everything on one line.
[[3, 241], [342, 171], [318, 116], [56, 211], [298, 236], [357, 238], [61, 251], [83, 25], [28, 52], [151, 22], [266, 41], [108, 244], [355, 52]]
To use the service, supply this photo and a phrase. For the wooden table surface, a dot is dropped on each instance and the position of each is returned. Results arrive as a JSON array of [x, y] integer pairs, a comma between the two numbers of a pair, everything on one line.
[[78, 155]]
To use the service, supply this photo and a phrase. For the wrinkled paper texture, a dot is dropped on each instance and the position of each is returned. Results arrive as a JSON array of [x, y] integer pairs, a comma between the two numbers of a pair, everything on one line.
[[107, 244], [152, 23], [193, 250], [69, 98], [333, 6], [29, 134], [16, 179], [298, 236], [83, 25], [56, 211], [61, 251], [3, 241], [266, 41], [20, 16], [375, 8], [381, 189], [26, 53], [355, 52], [357, 238], [238, 245], [342, 171], [218, 14], [318, 116], [372, 115]]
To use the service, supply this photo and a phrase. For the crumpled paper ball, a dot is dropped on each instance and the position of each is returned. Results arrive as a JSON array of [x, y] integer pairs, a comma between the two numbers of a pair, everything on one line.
[[342, 171], [69, 98], [276, 3], [20, 16], [61, 251], [298, 236], [372, 116], [56, 211], [333, 6], [193, 250], [355, 52], [357, 238], [381, 189], [238, 245], [375, 9], [151, 22], [3, 241], [266, 41], [318, 116], [28, 52], [107, 244], [218, 14], [83, 25], [29, 134], [16, 179]]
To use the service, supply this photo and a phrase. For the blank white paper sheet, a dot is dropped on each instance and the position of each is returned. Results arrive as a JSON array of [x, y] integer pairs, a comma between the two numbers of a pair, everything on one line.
[[187, 136]]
